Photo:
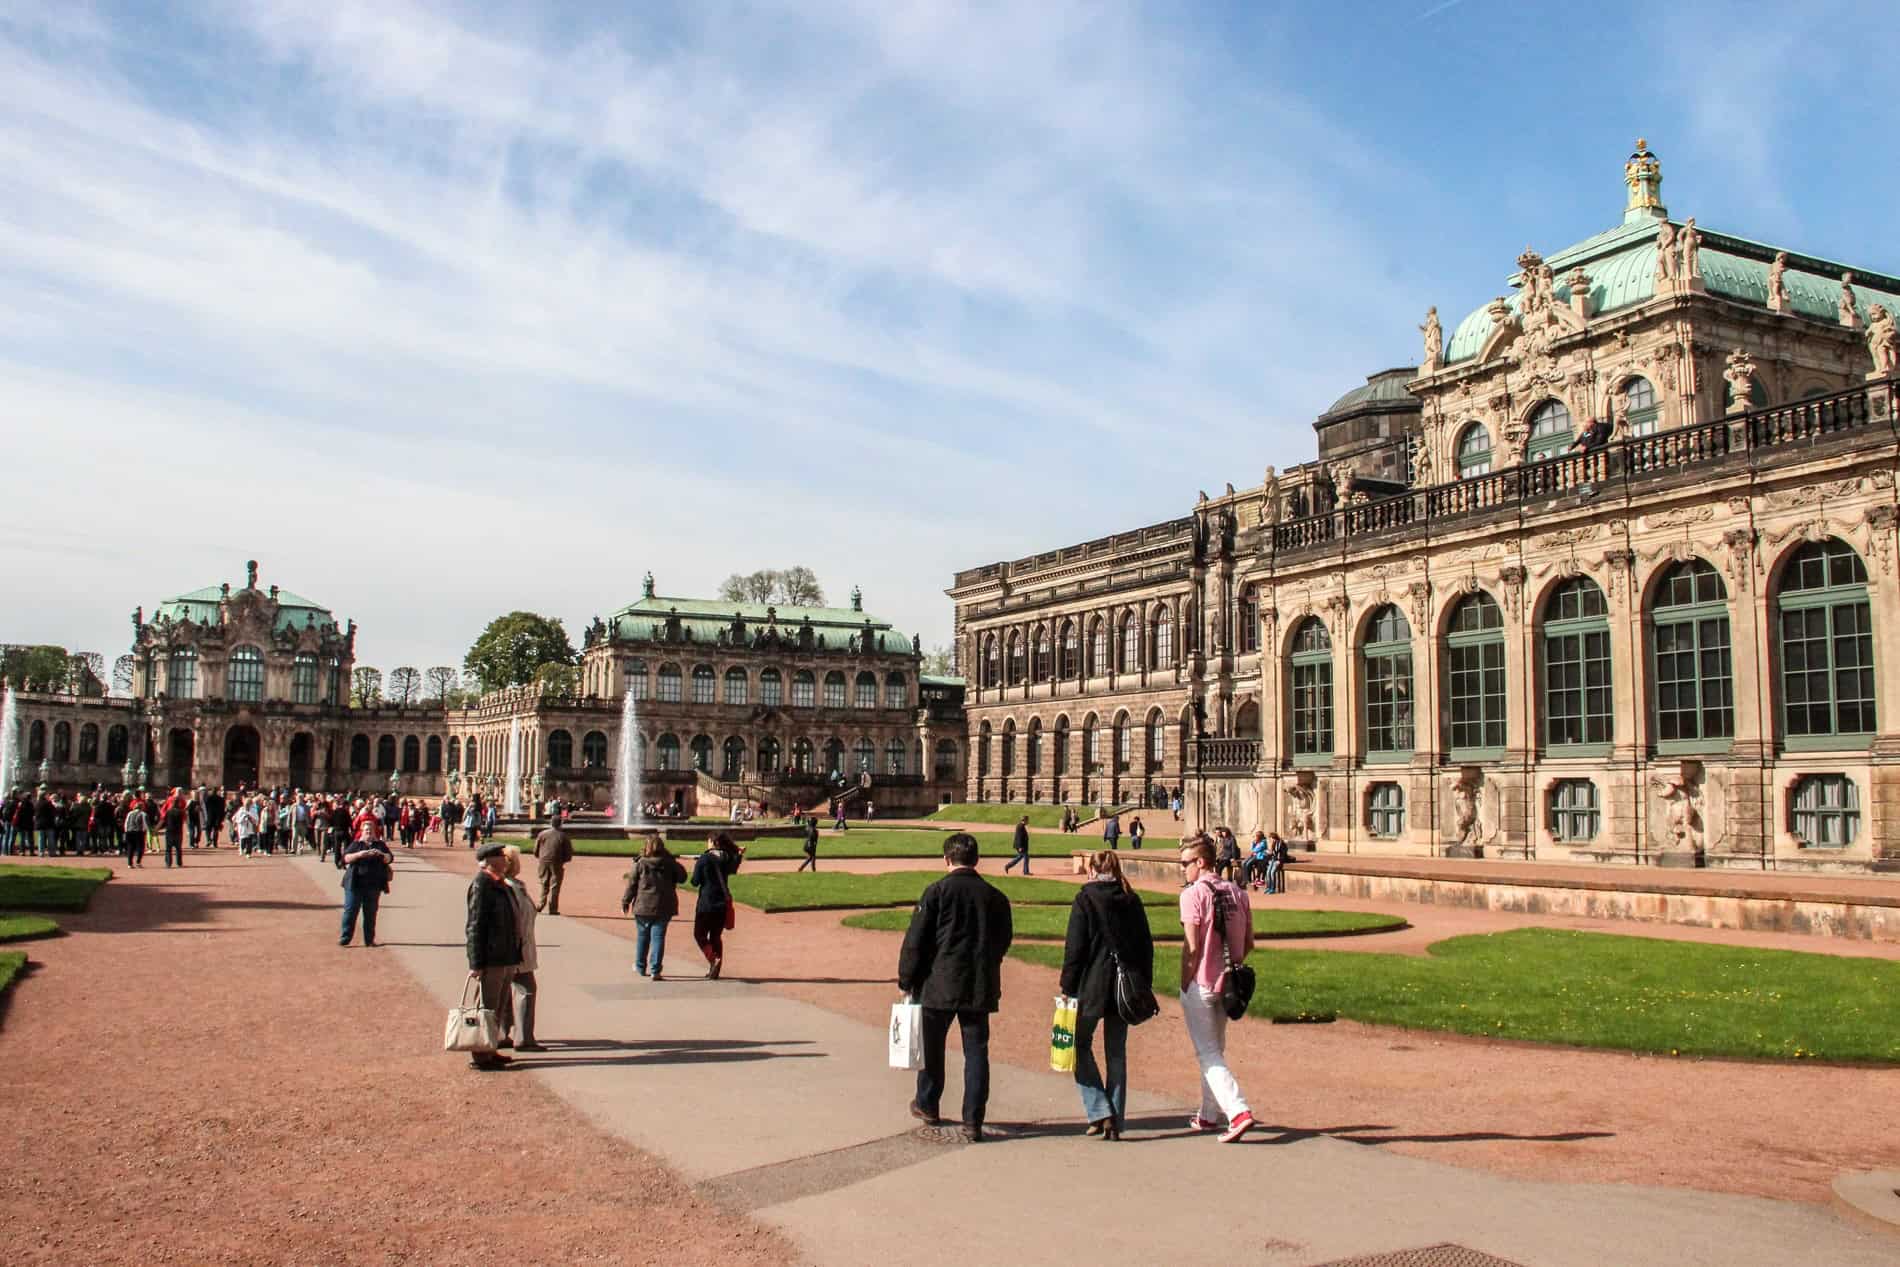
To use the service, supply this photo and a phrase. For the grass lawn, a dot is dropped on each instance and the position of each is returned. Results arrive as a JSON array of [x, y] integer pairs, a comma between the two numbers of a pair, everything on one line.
[[1165, 922], [1049, 816], [11, 962], [1591, 990], [26, 927], [803, 891], [907, 842], [36, 888]]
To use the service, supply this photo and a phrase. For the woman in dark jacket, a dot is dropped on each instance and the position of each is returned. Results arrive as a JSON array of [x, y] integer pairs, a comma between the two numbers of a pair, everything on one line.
[[653, 898], [712, 876], [1107, 917]]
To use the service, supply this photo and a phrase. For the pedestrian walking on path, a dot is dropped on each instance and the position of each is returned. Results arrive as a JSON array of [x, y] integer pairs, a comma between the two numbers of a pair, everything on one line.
[[653, 897], [365, 880], [1107, 924], [136, 826], [517, 1025], [493, 939], [1112, 831], [811, 844], [552, 852], [952, 965], [1208, 900], [714, 913], [1020, 843]]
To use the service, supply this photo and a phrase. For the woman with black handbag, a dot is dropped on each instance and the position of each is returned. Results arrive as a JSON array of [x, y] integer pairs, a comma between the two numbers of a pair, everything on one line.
[[1107, 967]]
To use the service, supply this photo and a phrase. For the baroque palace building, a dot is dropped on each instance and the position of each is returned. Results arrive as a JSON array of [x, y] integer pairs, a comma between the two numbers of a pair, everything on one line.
[[1609, 575], [731, 702]]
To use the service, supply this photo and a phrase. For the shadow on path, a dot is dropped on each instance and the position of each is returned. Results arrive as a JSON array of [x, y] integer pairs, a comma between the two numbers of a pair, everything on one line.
[[659, 1051]]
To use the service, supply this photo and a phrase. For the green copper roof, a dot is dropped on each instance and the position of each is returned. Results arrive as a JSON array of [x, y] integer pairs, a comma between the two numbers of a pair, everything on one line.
[[708, 618], [201, 607], [1387, 387]]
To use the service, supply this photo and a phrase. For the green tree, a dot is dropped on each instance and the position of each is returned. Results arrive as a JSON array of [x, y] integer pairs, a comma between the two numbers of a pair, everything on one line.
[[513, 647], [36, 668], [405, 685], [559, 679], [366, 687], [443, 682], [798, 587], [940, 661]]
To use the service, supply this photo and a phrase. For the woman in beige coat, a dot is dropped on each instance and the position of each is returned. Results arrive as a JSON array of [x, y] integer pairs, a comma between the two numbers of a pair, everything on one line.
[[519, 1016]]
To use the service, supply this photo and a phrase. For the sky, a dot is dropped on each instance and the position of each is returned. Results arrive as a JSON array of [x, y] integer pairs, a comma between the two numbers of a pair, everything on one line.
[[444, 310]]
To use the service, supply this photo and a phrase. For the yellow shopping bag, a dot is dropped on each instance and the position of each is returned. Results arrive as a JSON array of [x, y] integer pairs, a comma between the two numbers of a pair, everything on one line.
[[1062, 1036]]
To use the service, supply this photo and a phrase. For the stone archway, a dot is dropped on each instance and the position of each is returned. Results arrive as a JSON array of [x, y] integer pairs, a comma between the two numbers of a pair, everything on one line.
[[242, 749], [303, 748], [180, 748]]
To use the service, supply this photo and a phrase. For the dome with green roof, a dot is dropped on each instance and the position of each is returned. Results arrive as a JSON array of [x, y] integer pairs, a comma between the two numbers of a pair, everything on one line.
[[707, 619], [200, 606]]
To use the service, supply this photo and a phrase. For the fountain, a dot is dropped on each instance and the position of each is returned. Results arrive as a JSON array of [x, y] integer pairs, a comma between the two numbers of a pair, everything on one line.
[[511, 791], [628, 800], [9, 742]]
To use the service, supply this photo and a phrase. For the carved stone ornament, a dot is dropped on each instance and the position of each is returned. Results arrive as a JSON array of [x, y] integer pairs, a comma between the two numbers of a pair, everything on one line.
[[1337, 606], [1879, 528], [1619, 564], [1679, 517], [1512, 579], [1740, 375], [1420, 593]]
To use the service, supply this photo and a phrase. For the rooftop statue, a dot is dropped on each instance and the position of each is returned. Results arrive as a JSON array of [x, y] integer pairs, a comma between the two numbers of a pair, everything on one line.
[[1691, 250], [1850, 313], [1643, 174], [1434, 339], [1777, 283], [1666, 261], [1883, 340]]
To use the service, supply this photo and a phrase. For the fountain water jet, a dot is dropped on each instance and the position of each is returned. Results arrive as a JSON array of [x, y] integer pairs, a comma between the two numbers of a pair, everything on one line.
[[629, 803], [511, 792], [9, 742]]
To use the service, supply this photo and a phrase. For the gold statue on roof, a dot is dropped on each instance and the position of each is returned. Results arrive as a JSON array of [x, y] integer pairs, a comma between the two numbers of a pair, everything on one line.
[[1643, 174]]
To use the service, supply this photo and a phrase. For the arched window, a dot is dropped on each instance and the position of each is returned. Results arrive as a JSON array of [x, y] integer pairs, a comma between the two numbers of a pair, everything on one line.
[[560, 750], [411, 754], [1474, 678], [386, 753], [834, 689], [1039, 660], [1016, 663], [1639, 402], [1689, 647], [1124, 743], [668, 750], [983, 748], [946, 759], [1576, 646], [1575, 813], [864, 757], [1247, 720], [702, 750], [1091, 746], [804, 689], [667, 682], [1191, 625], [1032, 757], [303, 678], [1826, 645], [1067, 660], [864, 691], [702, 684], [1385, 810], [1098, 648], [1009, 747], [992, 662], [771, 688], [1474, 451], [1061, 762], [1161, 642], [1311, 667], [359, 753], [738, 687], [35, 741], [455, 754], [635, 674], [1157, 745], [834, 756], [1130, 644], [1825, 811], [768, 755], [1386, 669], [1248, 635], [333, 681], [1550, 431], [594, 750], [434, 751], [801, 756], [118, 744], [470, 754], [896, 691], [62, 742], [733, 764], [181, 674], [244, 676], [894, 757]]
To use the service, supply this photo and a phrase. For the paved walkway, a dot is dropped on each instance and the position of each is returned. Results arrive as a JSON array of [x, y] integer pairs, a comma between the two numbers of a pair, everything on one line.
[[786, 1111]]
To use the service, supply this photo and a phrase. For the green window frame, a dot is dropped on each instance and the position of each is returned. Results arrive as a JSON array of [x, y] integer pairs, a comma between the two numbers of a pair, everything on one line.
[[1576, 814], [1385, 810], [668, 680], [702, 750], [1579, 709], [181, 674], [1825, 642], [1550, 431], [1640, 404], [702, 684], [804, 689], [1386, 662], [864, 691], [1474, 451], [244, 676], [1825, 811], [1312, 672], [834, 690], [738, 687], [1474, 678], [1691, 661], [771, 688], [303, 679]]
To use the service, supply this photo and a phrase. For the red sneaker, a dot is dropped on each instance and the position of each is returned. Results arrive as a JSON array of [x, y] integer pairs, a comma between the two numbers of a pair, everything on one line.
[[1236, 1128]]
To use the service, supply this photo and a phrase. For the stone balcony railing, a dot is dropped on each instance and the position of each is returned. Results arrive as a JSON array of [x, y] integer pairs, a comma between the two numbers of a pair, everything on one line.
[[1219, 755]]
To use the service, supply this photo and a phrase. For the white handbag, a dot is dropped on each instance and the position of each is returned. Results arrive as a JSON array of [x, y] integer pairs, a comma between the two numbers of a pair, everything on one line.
[[907, 1036], [471, 1029]]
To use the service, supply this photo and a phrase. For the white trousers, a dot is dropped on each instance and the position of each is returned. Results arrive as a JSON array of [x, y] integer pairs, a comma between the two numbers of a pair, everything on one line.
[[1207, 1030]]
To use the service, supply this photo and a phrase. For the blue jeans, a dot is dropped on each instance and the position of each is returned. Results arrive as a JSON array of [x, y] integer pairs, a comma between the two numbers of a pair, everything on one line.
[[1022, 858], [1273, 875], [649, 933], [47, 840], [364, 900], [1102, 1100]]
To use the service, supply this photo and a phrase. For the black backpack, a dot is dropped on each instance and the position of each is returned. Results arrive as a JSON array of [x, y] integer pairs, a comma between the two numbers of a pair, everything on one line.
[[1237, 981]]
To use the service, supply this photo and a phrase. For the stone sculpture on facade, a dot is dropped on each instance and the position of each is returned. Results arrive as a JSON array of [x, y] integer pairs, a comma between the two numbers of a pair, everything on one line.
[[1301, 821], [1691, 251], [1474, 814], [1741, 381], [1270, 502], [1666, 261], [1434, 340], [1777, 283], [1849, 308], [1883, 341], [1684, 830], [1643, 175]]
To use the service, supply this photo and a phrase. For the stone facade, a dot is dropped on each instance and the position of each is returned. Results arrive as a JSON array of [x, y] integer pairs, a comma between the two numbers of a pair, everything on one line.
[[1634, 599]]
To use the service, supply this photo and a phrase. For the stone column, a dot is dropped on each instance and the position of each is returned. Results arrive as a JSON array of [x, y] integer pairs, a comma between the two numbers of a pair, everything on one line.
[[1749, 802], [1623, 798], [1518, 816]]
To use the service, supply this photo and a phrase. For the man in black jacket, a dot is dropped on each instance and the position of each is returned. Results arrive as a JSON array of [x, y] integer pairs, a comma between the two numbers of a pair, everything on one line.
[[811, 843], [952, 965], [494, 939]]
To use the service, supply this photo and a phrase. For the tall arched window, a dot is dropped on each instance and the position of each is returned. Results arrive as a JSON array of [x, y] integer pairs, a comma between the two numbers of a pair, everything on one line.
[[768, 755], [62, 742], [701, 750], [834, 689], [244, 676], [359, 753], [455, 754], [35, 741], [864, 694], [1576, 646], [1067, 662], [635, 674], [1689, 648], [738, 686], [1639, 402], [89, 744], [702, 684], [594, 750], [1009, 747], [433, 761], [1098, 648], [834, 755], [1161, 643], [1016, 662], [1248, 635], [333, 681], [946, 759], [802, 756], [864, 757], [804, 689], [1124, 743], [118, 744], [732, 763], [667, 683], [1061, 761], [992, 662], [771, 688], [894, 757], [1550, 431], [386, 753], [1311, 670], [1474, 451], [668, 751], [1091, 746], [1474, 678], [1032, 750], [303, 678], [1039, 659], [1826, 645], [560, 749], [1131, 644], [471, 755], [411, 754], [181, 674], [896, 691], [1157, 745], [1386, 668], [983, 748]]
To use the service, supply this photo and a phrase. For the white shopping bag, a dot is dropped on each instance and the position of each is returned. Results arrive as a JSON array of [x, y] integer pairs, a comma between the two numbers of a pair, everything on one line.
[[907, 1036]]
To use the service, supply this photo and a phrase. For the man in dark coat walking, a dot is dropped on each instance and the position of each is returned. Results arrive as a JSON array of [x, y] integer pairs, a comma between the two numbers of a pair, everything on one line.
[[494, 939], [1020, 844], [811, 843], [952, 965]]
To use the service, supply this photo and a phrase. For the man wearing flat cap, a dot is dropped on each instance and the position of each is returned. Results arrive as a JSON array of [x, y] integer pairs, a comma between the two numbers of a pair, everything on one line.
[[494, 942]]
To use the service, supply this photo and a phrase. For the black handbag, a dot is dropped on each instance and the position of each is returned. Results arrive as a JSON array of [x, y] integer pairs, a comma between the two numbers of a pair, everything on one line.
[[1134, 993], [1237, 979]]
